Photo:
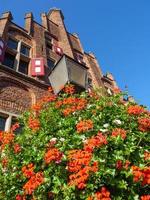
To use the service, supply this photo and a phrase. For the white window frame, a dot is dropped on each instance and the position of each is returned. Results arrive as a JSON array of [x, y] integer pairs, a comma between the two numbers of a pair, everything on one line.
[[9, 117]]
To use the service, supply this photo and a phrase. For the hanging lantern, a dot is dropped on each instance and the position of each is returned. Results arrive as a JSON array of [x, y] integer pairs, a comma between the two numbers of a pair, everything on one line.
[[67, 70]]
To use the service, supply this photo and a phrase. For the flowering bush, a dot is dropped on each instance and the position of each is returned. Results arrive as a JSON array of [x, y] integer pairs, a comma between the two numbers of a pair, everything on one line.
[[77, 146]]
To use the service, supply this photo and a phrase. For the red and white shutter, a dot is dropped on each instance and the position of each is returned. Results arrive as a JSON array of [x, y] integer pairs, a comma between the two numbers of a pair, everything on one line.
[[58, 50], [2, 49], [37, 67]]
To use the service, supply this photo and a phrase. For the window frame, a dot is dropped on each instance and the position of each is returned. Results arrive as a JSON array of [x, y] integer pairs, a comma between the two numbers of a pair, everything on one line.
[[9, 118], [48, 58], [15, 40], [26, 46]]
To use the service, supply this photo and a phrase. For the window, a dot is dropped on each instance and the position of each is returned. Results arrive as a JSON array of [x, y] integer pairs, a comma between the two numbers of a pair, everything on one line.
[[49, 46], [13, 44], [50, 63], [89, 82], [25, 50], [9, 60], [2, 123], [23, 67]]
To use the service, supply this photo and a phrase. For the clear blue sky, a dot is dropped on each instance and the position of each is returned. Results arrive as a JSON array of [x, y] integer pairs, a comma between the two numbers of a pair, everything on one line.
[[117, 31]]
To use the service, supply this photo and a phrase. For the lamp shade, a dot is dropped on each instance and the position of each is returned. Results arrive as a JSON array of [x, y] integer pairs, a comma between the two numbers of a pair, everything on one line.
[[66, 71]]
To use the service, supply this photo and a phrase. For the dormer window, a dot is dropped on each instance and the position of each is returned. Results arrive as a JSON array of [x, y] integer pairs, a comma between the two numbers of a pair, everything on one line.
[[25, 50], [13, 44]]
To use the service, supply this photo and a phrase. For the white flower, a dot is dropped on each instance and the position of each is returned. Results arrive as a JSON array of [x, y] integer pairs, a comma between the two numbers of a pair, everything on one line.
[[106, 125], [53, 140], [117, 122], [103, 130], [62, 139]]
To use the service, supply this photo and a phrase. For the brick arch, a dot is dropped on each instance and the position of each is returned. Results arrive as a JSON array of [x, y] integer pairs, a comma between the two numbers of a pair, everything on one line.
[[15, 97]]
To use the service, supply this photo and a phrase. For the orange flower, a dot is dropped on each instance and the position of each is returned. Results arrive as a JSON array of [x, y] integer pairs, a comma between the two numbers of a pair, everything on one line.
[[79, 165], [135, 110], [20, 197], [69, 89], [119, 164], [50, 89], [137, 173], [119, 131], [147, 155], [58, 104], [127, 163], [141, 175], [95, 141], [103, 194], [28, 170], [4, 162], [144, 124], [37, 107], [15, 126], [84, 125], [17, 148], [49, 98], [35, 181], [146, 176], [73, 104], [34, 124], [78, 159], [6, 138], [53, 154], [145, 197]]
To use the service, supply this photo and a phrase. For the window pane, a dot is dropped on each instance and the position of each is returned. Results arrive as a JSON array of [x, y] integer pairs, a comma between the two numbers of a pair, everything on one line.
[[23, 67], [12, 44], [50, 63], [49, 46], [9, 60], [25, 50], [2, 123]]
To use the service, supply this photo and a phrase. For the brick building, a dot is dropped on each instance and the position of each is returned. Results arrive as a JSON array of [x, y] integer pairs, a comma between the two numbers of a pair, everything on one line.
[[49, 41]]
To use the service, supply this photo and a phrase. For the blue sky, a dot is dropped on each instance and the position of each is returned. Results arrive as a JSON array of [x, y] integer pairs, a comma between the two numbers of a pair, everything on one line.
[[118, 32]]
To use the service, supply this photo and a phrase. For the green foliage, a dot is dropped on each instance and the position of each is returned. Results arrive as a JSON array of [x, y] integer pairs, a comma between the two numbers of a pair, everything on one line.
[[106, 114]]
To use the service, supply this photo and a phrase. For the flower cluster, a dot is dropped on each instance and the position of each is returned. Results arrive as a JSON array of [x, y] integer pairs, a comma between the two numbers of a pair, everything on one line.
[[120, 165], [147, 155], [84, 125], [15, 126], [71, 104], [53, 154], [141, 175], [20, 197], [28, 170], [79, 165], [103, 194], [110, 160], [69, 89], [119, 132], [95, 141], [6, 138], [35, 181], [145, 197], [34, 124], [17, 148], [135, 110], [144, 124]]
